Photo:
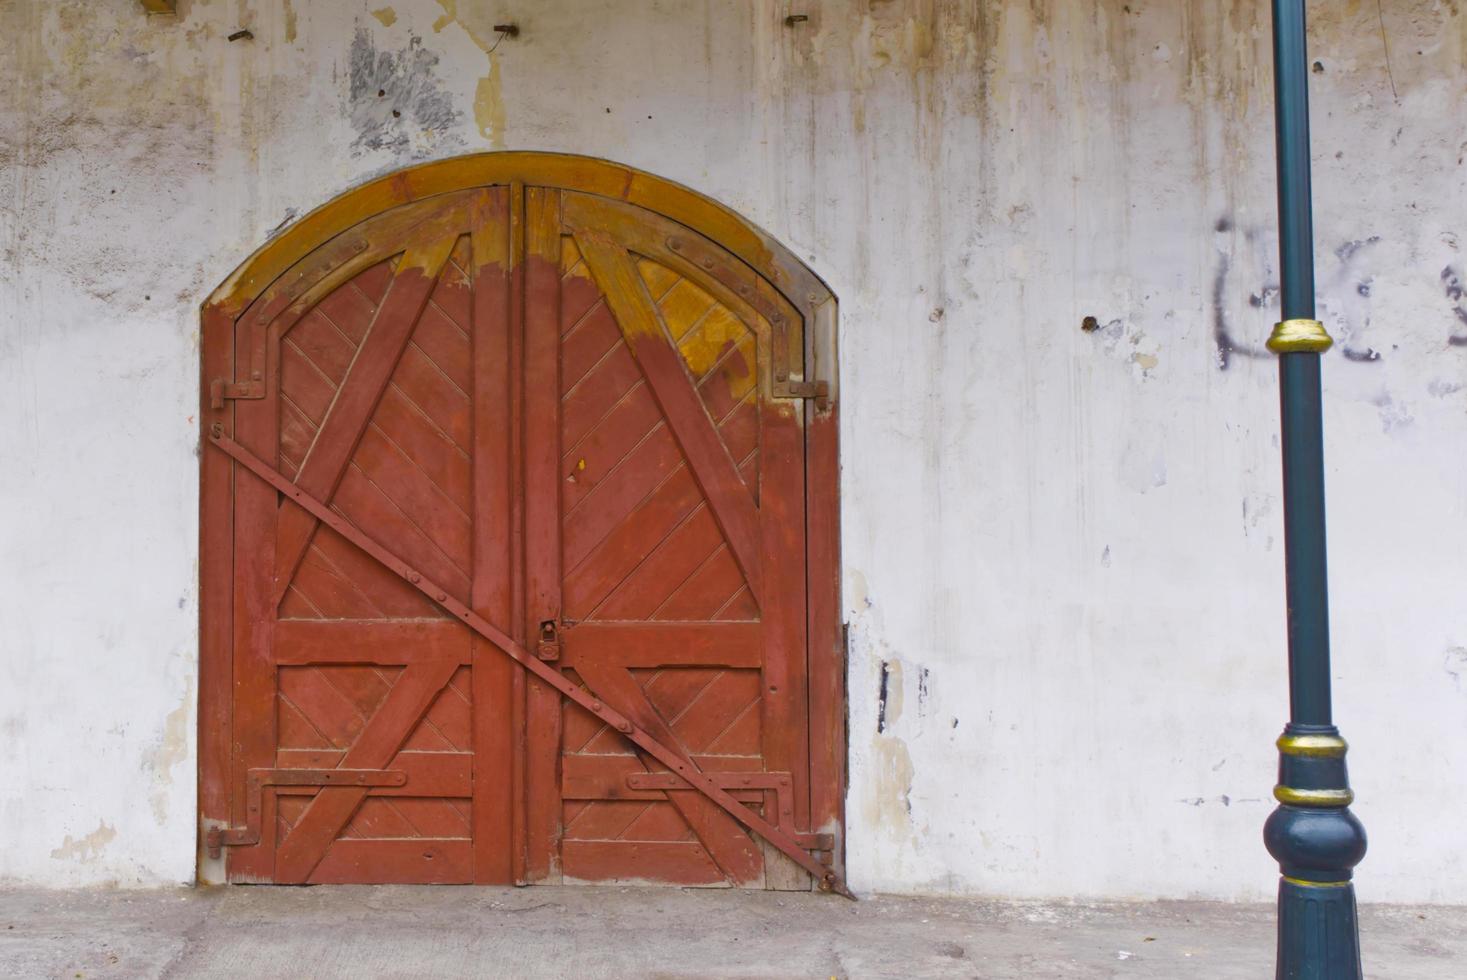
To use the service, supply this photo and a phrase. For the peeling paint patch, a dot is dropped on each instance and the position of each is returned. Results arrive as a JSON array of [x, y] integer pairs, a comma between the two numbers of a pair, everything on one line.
[[386, 16], [395, 100], [290, 23], [703, 347], [87, 849]]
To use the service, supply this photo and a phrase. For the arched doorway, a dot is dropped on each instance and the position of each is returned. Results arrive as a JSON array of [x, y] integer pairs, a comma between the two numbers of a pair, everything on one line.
[[519, 549]]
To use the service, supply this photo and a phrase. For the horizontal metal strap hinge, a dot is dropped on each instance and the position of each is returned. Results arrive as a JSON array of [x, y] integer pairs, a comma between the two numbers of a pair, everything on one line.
[[818, 390], [219, 390], [258, 779], [779, 785]]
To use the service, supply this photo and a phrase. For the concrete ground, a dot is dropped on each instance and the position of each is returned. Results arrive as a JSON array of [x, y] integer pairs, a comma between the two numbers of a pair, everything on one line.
[[443, 932]]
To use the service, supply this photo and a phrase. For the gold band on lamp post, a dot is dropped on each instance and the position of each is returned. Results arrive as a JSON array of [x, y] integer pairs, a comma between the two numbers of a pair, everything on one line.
[[1313, 746], [1299, 337], [1313, 797], [1316, 884]]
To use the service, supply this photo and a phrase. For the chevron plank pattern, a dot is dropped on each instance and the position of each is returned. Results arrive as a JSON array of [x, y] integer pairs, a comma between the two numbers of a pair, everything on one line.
[[408, 481], [640, 544]]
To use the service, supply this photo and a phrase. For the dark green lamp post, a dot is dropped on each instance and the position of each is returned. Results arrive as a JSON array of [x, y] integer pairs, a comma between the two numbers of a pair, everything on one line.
[[1312, 834]]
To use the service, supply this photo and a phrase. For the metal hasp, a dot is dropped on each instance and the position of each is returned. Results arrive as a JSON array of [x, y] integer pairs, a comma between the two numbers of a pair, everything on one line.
[[1312, 834]]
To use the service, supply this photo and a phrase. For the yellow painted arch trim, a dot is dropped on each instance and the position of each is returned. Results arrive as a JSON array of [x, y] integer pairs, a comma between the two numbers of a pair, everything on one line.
[[590, 175]]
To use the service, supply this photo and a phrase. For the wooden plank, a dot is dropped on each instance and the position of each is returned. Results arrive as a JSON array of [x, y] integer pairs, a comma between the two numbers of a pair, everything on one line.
[[374, 748], [421, 861], [662, 367], [634, 862], [330, 711], [326, 462], [604, 777], [216, 581], [826, 663], [369, 641], [621, 559], [782, 608], [394, 470], [326, 591], [542, 509], [517, 782], [492, 573], [364, 503], [663, 644], [256, 509]]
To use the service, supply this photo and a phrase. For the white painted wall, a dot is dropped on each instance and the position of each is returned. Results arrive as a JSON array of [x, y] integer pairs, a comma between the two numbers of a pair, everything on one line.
[[1065, 546]]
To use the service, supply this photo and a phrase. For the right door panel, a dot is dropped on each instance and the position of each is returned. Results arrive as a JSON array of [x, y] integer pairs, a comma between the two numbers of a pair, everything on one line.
[[681, 547]]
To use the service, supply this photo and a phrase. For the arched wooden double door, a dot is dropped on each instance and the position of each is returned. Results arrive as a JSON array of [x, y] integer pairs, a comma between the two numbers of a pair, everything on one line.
[[579, 406]]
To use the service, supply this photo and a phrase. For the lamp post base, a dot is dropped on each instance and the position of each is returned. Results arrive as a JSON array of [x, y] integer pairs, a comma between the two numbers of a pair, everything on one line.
[[1319, 938], [1316, 841]]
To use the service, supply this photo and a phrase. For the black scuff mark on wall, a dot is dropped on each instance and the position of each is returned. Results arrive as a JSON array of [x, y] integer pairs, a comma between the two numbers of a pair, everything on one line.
[[881, 696], [1222, 336], [395, 99], [1346, 295], [1266, 296], [1453, 289], [290, 215]]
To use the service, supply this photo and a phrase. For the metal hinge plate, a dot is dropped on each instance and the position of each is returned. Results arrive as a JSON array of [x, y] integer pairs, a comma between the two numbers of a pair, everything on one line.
[[818, 390], [220, 837], [219, 390]]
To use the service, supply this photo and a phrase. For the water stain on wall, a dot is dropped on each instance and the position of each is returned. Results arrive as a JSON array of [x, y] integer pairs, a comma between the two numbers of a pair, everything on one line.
[[172, 749], [85, 850], [888, 798], [489, 112]]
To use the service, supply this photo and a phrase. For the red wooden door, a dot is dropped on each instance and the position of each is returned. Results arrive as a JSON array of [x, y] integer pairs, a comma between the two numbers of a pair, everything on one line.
[[575, 415]]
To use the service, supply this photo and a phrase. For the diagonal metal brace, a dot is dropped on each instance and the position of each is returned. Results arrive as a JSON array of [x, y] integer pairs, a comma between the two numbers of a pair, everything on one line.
[[681, 765]]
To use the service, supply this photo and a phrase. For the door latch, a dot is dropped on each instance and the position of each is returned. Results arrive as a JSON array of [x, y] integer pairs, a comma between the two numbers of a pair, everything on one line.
[[549, 646]]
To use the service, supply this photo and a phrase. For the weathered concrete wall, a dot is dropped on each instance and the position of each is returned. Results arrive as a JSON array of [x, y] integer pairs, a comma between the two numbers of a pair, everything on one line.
[[1063, 558]]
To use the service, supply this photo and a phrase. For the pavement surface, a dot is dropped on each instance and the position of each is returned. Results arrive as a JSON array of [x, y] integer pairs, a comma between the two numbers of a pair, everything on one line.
[[443, 932]]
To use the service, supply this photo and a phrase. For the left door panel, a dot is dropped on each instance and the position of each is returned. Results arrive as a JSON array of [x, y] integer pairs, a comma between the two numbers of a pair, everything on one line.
[[378, 375]]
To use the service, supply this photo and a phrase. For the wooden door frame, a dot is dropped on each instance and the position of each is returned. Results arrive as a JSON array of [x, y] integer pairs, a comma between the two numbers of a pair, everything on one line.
[[816, 304]]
